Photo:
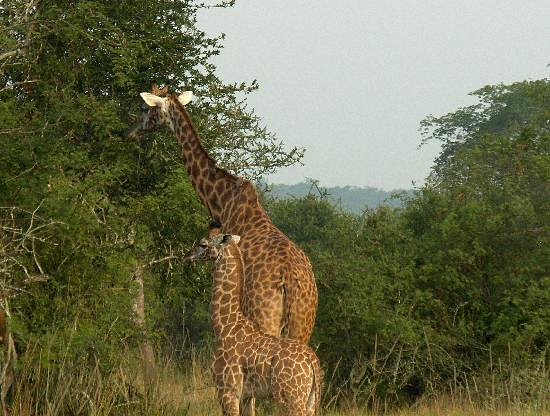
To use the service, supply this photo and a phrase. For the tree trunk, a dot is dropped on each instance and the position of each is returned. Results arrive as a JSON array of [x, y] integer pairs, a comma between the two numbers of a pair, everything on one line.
[[147, 353], [8, 358]]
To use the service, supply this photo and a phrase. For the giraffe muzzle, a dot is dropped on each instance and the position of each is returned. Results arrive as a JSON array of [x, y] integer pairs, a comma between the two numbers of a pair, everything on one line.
[[135, 131]]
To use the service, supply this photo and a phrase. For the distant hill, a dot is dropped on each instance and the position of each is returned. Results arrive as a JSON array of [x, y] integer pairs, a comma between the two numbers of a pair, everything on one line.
[[349, 198]]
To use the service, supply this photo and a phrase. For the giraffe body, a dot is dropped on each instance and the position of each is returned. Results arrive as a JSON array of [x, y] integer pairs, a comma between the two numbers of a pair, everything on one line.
[[280, 294], [247, 362]]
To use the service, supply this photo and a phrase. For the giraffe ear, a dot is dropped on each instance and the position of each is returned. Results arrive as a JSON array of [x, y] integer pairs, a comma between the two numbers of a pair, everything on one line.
[[152, 100], [185, 97], [236, 238]]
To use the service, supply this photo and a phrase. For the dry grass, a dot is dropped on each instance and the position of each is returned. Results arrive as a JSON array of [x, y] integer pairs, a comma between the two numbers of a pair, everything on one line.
[[166, 389], [440, 407], [184, 390]]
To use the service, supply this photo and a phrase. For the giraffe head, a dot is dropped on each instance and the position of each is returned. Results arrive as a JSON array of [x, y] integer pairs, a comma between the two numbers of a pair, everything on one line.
[[212, 248], [154, 111]]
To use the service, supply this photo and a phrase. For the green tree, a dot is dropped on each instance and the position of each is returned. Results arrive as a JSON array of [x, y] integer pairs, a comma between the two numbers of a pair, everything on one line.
[[70, 73], [501, 110], [482, 220], [363, 265], [457, 279]]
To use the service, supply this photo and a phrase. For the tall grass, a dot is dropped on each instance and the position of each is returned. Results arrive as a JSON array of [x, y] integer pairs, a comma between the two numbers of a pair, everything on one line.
[[184, 388], [167, 388]]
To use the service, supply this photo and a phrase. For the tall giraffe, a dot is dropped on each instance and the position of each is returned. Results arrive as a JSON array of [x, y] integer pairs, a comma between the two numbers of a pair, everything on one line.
[[248, 363], [279, 294]]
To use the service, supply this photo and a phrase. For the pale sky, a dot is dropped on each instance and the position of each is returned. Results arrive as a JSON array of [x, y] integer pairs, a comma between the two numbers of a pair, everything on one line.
[[351, 80]]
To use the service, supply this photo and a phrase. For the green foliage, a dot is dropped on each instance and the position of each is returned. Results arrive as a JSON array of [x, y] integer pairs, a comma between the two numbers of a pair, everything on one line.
[[413, 299], [71, 74], [502, 110], [364, 269], [485, 216]]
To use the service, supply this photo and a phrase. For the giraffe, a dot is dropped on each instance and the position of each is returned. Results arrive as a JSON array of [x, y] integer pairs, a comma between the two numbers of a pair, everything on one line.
[[280, 294], [248, 363]]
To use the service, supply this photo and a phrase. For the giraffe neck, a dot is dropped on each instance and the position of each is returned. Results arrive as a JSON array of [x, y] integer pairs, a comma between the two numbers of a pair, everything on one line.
[[225, 306], [210, 182], [223, 194]]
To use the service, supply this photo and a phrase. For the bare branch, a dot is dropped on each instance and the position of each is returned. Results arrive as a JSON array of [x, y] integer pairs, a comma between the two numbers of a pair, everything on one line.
[[36, 259], [17, 244], [11, 85], [9, 54], [156, 261]]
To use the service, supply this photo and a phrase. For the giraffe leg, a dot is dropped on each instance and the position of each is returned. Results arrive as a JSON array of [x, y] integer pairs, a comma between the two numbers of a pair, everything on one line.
[[300, 311], [229, 379], [289, 407], [249, 407], [230, 404], [293, 384], [293, 406]]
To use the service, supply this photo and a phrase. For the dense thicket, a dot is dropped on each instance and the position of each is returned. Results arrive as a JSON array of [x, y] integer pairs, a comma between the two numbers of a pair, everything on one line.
[[412, 300], [70, 76], [456, 281]]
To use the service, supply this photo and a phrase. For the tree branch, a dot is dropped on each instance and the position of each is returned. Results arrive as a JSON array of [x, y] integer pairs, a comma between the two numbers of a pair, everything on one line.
[[9, 54]]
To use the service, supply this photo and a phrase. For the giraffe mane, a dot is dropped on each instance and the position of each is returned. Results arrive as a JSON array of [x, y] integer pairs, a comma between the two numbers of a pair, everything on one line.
[[241, 182]]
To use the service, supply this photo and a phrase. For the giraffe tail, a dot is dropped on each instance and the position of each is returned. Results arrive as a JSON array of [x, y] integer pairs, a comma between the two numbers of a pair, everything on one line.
[[314, 399]]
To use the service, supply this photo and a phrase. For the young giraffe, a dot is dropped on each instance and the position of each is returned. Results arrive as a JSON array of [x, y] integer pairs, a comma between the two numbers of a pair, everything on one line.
[[280, 294], [248, 363]]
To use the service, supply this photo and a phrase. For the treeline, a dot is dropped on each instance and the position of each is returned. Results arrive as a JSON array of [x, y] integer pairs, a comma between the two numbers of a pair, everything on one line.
[[86, 213], [353, 199], [83, 207], [452, 286]]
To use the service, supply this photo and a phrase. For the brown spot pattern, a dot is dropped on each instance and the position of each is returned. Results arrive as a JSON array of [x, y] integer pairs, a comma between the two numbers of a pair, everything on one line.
[[249, 363]]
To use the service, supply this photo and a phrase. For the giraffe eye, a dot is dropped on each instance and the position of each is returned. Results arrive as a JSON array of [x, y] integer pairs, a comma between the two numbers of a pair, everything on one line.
[[144, 109]]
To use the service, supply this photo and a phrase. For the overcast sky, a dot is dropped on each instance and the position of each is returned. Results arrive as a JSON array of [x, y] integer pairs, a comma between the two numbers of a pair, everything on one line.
[[350, 80]]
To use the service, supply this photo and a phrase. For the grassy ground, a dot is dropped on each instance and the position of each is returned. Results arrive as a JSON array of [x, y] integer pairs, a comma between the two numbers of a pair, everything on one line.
[[177, 390]]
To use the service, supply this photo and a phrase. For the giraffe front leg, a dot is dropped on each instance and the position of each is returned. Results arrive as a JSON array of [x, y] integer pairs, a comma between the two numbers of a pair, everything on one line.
[[230, 400], [228, 378]]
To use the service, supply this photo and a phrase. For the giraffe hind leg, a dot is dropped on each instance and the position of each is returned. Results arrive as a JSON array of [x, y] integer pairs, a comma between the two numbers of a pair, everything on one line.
[[249, 407], [230, 405]]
